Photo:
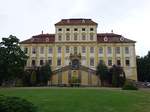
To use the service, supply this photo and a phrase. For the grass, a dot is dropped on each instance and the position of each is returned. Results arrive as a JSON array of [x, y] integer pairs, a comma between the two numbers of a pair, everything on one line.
[[83, 100]]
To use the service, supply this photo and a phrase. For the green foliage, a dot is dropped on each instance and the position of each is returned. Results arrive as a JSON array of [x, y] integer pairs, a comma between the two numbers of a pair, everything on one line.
[[143, 68], [19, 83], [16, 104], [44, 74], [102, 72], [129, 85], [84, 99], [118, 76], [12, 59], [26, 80], [33, 78]]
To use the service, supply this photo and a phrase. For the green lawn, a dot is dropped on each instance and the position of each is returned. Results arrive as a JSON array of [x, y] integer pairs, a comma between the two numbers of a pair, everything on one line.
[[83, 100]]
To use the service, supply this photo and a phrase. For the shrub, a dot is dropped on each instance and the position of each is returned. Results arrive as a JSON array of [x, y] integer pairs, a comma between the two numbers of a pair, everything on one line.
[[129, 85], [19, 83], [16, 104]]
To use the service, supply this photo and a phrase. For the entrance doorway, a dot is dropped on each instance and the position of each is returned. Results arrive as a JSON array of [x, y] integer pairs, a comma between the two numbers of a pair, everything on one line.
[[75, 78]]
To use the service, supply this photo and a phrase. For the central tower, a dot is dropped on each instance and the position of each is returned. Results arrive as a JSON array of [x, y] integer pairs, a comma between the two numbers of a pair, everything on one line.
[[76, 30]]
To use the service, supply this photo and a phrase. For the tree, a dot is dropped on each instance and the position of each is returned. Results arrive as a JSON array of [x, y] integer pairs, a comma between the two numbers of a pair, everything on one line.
[[16, 104], [26, 78], [102, 72], [143, 68], [33, 78], [12, 59], [44, 74], [118, 76]]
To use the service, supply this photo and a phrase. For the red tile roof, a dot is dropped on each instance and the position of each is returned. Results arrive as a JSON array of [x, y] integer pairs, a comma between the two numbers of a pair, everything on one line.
[[79, 21], [42, 38], [112, 38], [101, 38]]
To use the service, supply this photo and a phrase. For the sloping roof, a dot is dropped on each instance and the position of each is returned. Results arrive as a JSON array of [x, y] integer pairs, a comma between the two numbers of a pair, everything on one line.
[[42, 38], [79, 21], [112, 38], [101, 38]]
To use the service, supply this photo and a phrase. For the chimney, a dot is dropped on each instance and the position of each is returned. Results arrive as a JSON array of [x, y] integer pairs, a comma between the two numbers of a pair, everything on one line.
[[42, 31]]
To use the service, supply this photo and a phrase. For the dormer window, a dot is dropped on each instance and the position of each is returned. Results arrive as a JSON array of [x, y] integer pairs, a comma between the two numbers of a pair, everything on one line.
[[122, 38], [47, 39], [105, 39], [83, 21]]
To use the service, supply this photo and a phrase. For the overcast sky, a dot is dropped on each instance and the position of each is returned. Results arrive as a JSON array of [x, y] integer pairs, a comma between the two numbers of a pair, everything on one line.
[[25, 18]]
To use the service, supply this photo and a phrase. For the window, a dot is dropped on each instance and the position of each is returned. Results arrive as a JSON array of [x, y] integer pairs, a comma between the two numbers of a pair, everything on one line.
[[33, 62], [50, 50], [91, 29], [59, 29], [59, 38], [127, 62], [41, 62], [58, 61], [91, 49], [26, 50], [117, 50], [75, 29], [67, 49], [91, 61], [109, 62], [118, 62], [33, 50], [75, 36], [100, 50], [83, 37], [126, 50], [59, 49], [42, 50], [50, 61], [91, 36], [83, 29], [83, 50], [67, 37], [75, 50], [109, 50], [67, 29]]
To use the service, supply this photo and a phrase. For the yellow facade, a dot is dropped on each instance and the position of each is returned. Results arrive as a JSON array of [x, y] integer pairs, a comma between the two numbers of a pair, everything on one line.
[[66, 49]]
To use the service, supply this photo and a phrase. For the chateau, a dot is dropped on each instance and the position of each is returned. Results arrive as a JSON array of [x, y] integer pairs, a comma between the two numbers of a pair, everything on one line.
[[75, 50]]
